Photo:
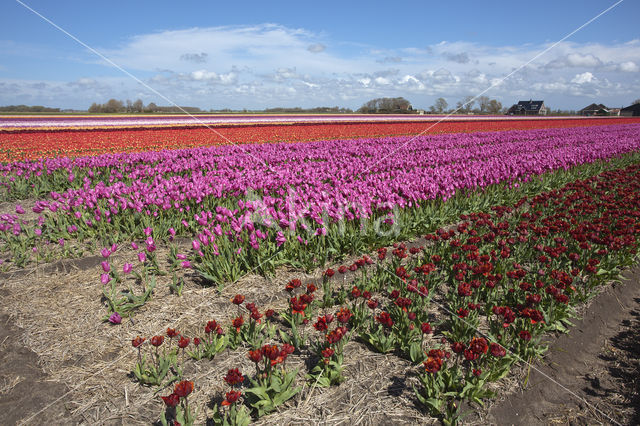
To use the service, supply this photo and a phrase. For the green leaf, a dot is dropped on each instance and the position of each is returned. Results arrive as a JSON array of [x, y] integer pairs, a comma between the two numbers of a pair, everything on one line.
[[208, 277], [499, 372], [415, 352], [276, 385], [258, 391]]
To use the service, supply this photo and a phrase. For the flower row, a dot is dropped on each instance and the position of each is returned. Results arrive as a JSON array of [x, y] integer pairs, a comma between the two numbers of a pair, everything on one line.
[[250, 209], [38, 144]]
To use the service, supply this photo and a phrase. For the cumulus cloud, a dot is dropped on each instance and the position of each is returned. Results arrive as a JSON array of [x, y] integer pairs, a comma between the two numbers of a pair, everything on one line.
[[258, 46], [629, 66], [443, 75], [198, 58], [460, 58], [266, 65], [585, 77], [412, 81], [202, 75], [272, 59], [575, 60]]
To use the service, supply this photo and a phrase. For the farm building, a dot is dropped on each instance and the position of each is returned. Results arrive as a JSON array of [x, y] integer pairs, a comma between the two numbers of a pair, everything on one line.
[[594, 109], [529, 107], [633, 110]]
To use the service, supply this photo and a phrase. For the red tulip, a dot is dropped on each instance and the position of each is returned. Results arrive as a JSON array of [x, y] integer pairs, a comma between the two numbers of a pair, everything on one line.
[[183, 389]]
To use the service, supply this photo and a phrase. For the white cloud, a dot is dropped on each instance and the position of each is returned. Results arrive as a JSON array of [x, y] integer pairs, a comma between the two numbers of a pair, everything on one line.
[[461, 58], [585, 77], [629, 66], [204, 75], [270, 65], [257, 47], [272, 62], [411, 81], [286, 73], [198, 58], [575, 60]]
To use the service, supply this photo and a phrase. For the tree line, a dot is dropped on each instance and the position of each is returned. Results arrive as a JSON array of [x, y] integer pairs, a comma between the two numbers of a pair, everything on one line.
[[387, 106], [137, 106], [25, 108], [482, 104]]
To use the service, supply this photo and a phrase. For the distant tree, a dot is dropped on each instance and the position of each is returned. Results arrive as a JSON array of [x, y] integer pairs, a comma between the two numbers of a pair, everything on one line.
[[465, 105], [561, 112], [439, 106], [494, 107], [637, 101], [137, 106], [25, 108], [386, 105], [151, 107], [176, 109], [129, 106], [113, 105], [483, 104], [94, 108]]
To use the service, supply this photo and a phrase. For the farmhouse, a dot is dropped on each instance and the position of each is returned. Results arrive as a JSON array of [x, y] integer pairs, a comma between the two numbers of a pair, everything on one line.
[[633, 110], [594, 109], [529, 107]]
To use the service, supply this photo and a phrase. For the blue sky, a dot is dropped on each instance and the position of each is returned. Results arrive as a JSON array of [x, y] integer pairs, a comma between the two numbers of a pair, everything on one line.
[[266, 54]]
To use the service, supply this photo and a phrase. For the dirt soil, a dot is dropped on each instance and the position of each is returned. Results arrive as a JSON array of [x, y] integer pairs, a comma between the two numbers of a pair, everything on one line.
[[589, 376], [24, 387]]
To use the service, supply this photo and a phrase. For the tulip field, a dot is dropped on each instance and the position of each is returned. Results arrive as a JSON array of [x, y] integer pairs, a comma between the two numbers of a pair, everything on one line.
[[282, 270], [22, 140]]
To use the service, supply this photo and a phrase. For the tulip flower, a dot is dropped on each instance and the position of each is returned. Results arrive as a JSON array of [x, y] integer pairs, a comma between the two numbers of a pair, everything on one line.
[[115, 318]]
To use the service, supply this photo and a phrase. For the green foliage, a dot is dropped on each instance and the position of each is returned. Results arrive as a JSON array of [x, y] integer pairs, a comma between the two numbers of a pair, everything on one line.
[[329, 373], [155, 372], [125, 303], [265, 396], [237, 415]]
